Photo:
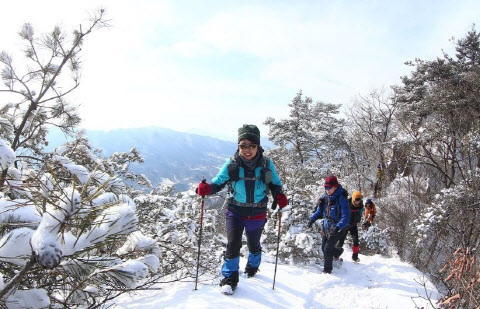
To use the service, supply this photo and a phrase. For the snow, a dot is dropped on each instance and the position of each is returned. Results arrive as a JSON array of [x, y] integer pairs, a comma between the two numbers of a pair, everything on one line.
[[375, 282], [17, 251], [136, 241], [131, 273], [33, 298], [19, 210], [7, 155], [4, 123], [78, 170]]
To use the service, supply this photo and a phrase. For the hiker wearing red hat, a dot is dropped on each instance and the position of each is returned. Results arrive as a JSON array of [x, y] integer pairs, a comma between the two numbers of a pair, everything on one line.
[[333, 209]]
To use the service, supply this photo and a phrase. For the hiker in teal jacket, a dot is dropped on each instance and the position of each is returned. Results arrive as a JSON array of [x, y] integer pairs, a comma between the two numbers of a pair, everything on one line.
[[244, 190], [250, 177], [333, 209]]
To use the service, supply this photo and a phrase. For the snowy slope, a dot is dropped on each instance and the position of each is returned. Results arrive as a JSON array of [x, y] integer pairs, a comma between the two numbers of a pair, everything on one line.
[[375, 282]]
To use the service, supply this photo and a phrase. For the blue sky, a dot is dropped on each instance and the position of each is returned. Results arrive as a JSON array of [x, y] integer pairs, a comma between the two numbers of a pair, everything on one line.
[[211, 66]]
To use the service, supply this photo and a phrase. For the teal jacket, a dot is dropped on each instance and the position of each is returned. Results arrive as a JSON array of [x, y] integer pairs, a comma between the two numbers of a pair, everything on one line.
[[249, 188]]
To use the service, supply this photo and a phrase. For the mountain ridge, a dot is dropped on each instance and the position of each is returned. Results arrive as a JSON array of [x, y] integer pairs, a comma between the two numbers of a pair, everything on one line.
[[181, 157]]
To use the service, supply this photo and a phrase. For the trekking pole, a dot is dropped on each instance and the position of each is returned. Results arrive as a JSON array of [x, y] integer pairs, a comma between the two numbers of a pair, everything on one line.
[[199, 239], [278, 241]]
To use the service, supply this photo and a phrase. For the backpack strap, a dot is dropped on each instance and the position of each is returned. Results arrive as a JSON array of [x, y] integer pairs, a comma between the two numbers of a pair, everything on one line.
[[266, 173], [233, 169], [338, 208]]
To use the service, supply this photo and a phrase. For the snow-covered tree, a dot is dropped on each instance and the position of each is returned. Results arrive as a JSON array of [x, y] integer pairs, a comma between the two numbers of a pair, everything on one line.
[[311, 141], [312, 146], [69, 233], [72, 230], [173, 220], [371, 128], [298, 244], [439, 111], [429, 202]]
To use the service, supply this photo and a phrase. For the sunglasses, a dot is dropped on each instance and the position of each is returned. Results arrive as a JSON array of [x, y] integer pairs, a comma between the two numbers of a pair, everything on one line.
[[328, 188], [249, 146], [358, 199]]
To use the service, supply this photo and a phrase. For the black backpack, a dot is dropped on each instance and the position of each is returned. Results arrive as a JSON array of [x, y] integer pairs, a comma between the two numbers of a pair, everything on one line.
[[322, 200], [233, 169]]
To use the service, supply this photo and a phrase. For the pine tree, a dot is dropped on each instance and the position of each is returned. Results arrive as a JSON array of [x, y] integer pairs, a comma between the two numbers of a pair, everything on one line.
[[371, 129], [69, 231], [312, 146]]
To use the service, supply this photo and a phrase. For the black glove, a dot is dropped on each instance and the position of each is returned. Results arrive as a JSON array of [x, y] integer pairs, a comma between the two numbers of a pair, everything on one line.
[[336, 229], [310, 223], [366, 225]]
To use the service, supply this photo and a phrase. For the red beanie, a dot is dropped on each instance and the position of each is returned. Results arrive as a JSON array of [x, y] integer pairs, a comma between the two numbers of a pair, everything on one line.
[[331, 181]]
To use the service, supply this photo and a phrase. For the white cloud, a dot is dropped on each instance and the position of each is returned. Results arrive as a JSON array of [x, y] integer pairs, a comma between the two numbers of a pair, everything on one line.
[[188, 65]]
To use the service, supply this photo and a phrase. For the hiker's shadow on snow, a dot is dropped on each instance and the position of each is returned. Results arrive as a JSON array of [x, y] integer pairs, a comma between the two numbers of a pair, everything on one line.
[[259, 289], [396, 283]]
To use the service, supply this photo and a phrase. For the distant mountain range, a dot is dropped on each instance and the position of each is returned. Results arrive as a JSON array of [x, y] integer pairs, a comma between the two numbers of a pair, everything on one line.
[[182, 158]]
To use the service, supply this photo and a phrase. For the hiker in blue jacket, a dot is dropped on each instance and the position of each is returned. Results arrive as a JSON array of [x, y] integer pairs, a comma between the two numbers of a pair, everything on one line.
[[333, 209], [250, 177]]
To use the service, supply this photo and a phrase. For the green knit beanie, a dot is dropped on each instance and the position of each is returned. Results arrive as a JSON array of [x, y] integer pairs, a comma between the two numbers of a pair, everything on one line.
[[250, 132]]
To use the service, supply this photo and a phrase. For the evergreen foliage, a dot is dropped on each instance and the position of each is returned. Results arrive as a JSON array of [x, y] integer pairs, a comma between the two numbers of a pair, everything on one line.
[[69, 232], [311, 146], [173, 219]]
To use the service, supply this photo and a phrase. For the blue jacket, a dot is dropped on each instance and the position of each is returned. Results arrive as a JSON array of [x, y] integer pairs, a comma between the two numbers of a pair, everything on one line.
[[339, 214], [248, 191]]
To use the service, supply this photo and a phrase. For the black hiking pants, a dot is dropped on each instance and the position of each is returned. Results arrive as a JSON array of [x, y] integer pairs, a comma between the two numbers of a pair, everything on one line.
[[236, 225], [353, 231], [330, 249]]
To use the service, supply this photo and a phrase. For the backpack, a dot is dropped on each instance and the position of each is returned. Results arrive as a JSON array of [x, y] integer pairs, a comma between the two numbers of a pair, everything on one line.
[[339, 209], [321, 200], [233, 169]]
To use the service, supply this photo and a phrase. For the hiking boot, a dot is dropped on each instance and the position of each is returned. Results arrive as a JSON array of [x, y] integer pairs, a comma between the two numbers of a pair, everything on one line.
[[231, 281], [326, 271], [337, 262], [226, 290], [250, 271], [355, 257]]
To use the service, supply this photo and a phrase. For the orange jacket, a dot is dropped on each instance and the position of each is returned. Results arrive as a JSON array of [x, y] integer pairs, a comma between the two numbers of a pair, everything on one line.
[[370, 213]]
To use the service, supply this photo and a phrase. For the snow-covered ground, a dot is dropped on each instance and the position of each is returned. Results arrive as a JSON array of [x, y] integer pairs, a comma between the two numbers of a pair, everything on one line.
[[375, 282]]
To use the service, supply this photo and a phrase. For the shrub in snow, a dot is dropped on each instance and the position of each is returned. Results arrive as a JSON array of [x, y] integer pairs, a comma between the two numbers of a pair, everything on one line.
[[447, 230], [395, 213], [376, 240], [172, 219], [462, 275], [298, 244]]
